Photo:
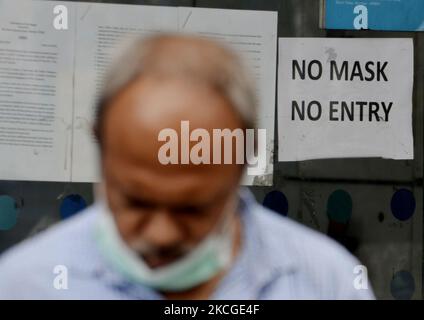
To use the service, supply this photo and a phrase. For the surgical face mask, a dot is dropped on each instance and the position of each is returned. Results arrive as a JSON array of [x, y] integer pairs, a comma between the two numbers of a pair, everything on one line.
[[212, 255]]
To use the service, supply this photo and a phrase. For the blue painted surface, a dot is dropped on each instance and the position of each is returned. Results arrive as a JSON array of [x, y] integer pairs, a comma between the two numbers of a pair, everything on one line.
[[277, 201], [71, 205], [8, 212], [402, 285], [403, 204], [339, 206], [401, 15]]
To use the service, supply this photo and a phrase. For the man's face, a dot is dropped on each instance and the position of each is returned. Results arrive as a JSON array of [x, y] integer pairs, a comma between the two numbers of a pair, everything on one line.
[[163, 211]]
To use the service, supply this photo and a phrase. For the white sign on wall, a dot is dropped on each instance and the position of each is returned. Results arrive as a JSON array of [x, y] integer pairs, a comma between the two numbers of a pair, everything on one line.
[[340, 98]]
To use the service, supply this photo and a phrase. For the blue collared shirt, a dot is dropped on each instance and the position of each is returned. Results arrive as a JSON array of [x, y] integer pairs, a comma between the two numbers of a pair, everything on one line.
[[279, 259]]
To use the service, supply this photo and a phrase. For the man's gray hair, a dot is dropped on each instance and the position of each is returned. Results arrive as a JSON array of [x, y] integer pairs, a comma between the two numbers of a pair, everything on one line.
[[190, 58]]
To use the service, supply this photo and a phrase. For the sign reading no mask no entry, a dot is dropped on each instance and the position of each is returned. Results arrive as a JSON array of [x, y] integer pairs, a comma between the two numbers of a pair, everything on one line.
[[341, 98]]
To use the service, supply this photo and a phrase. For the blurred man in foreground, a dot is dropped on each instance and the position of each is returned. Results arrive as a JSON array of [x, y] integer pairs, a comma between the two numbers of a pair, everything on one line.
[[183, 231]]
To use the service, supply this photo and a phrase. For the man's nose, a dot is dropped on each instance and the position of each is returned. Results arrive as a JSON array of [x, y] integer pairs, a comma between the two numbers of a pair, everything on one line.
[[161, 230]]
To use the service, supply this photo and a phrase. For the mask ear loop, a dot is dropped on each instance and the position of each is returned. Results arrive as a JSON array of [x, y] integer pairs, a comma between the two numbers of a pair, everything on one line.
[[229, 212], [226, 228]]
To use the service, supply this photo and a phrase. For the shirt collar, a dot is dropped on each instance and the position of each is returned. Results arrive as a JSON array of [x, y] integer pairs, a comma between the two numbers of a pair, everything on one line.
[[254, 268]]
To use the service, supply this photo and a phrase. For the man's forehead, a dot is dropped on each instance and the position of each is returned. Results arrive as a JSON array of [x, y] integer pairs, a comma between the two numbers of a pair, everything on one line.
[[176, 185], [131, 143], [149, 106]]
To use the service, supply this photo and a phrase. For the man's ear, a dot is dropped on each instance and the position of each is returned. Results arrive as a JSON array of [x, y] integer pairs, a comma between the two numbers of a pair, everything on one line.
[[95, 130]]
